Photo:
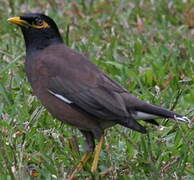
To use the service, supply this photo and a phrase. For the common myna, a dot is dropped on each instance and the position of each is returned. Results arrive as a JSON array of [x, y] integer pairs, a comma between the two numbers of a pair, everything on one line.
[[77, 92]]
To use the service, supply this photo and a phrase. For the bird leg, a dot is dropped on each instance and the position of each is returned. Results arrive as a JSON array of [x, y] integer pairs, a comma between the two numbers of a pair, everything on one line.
[[97, 154], [90, 145], [79, 167], [90, 149]]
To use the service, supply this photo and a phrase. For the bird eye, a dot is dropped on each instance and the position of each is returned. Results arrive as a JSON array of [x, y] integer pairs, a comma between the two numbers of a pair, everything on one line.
[[38, 22]]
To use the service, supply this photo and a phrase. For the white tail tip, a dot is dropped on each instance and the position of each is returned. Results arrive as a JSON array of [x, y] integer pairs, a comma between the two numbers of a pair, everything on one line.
[[183, 118]]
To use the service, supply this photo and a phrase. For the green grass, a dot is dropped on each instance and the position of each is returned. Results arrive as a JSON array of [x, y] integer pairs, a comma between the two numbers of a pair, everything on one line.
[[146, 46]]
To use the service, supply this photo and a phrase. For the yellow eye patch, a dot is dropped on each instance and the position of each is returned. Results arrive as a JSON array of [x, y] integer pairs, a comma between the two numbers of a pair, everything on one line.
[[44, 25]]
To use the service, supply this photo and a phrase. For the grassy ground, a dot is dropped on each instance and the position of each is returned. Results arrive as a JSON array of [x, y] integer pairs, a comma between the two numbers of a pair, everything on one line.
[[147, 46]]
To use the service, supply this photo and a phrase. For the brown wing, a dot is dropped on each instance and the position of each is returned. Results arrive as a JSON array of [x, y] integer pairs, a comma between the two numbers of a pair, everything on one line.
[[78, 80]]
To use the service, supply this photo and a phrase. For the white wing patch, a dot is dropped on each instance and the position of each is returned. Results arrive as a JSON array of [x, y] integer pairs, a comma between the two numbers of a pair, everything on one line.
[[61, 97]]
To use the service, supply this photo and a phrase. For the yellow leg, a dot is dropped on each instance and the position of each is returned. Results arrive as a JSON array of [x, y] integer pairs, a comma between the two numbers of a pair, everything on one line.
[[79, 167], [97, 154], [104, 173]]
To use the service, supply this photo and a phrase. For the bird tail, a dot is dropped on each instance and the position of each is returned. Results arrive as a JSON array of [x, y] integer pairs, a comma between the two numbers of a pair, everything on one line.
[[153, 110], [143, 110]]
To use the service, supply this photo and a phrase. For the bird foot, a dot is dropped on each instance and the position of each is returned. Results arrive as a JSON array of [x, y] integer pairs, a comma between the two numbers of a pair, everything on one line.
[[79, 167]]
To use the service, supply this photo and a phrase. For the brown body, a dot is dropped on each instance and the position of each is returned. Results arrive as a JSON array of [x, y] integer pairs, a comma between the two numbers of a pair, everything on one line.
[[72, 75], [43, 67]]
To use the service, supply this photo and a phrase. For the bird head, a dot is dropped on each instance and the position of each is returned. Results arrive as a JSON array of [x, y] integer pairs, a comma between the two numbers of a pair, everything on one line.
[[39, 30]]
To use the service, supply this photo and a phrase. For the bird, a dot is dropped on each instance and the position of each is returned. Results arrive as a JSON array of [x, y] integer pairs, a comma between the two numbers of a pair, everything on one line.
[[77, 92]]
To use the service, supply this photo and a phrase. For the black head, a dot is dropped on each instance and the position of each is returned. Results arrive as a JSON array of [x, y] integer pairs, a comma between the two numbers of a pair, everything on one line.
[[39, 31]]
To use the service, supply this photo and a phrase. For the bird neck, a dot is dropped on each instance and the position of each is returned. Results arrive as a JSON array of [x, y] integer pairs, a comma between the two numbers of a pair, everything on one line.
[[36, 41]]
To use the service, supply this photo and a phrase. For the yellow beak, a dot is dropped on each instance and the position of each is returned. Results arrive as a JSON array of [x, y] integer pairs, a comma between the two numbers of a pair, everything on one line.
[[17, 20]]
